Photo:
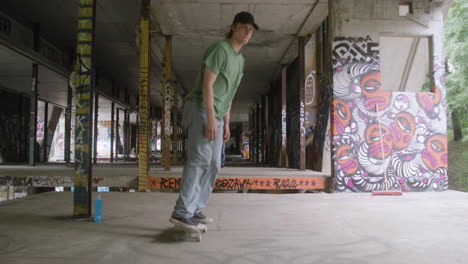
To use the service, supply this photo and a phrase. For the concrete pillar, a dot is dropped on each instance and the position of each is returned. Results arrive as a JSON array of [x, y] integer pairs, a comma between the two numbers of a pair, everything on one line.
[[167, 94], [283, 154], [23, 140], [145, 93], [257, 134], [46, 125], [117, 134], [264, 129], [125, 135], [82, 179], [111, 155], [33, 118], [302, 155], [68, 113], [95, 130], [137, 140], [175, 125]]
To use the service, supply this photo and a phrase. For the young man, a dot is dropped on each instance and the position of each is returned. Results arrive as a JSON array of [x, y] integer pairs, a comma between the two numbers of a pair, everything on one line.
[[206, 119]]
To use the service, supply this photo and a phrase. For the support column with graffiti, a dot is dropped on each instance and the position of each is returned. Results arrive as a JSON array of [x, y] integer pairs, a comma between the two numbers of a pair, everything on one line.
[[175, 125], [111, 156], [264, 128], [257, 134], [34, 93], [68, 112], [46, 125], [283, 153], [302, 160], [95, 129], [167, 94], [125, 135], [83, 101], [33, 119], [144, 99], [117, 134]]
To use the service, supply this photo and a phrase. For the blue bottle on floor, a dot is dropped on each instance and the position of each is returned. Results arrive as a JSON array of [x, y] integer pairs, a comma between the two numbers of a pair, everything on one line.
[[98, 209]]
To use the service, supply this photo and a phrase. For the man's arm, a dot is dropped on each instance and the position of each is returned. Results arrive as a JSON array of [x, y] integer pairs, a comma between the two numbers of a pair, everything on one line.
[[209, 78], [227, 131]]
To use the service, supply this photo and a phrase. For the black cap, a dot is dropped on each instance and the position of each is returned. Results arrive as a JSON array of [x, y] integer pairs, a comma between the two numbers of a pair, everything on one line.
[[245, 18]]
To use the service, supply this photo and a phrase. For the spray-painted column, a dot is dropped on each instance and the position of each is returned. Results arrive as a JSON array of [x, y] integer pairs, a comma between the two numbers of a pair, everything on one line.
[[144, 99], [68, 113], [111, 156], [46, 125], [84, 101], [263, 128], [302, 161], [117, 134], [33, 119], [257, 134], [167, 94], [175, 125], [283, 153], [125, 135], [95, 129]]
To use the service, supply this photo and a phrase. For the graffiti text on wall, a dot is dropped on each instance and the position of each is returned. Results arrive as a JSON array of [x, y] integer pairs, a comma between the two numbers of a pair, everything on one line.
[[246, 183], [36, 181], [354, 50], [56, 181]]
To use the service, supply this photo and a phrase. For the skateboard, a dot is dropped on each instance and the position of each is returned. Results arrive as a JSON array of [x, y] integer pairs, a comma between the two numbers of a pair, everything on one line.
[[182, 232]]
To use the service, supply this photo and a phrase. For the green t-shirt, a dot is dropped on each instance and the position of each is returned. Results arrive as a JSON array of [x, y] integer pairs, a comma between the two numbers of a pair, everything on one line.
[[228, 65]]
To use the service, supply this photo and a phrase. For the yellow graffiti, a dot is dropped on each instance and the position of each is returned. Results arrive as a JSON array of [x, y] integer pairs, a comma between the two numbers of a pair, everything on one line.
[[144, 101]]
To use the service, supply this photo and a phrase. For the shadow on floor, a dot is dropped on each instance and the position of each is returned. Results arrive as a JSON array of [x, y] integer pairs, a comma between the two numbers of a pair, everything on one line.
[[174, 235]]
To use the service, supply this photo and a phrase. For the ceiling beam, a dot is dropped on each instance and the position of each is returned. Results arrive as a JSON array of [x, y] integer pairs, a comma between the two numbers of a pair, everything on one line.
[[308, 26]]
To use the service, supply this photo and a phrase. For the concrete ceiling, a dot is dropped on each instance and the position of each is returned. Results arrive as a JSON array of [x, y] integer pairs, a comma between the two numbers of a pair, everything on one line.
[[193, 25]]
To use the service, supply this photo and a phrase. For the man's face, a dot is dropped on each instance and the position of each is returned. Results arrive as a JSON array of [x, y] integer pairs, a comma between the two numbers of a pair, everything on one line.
[[242, 32]]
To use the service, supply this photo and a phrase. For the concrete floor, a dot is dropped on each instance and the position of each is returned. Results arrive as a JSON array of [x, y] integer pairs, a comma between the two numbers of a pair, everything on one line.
[[248, 228]]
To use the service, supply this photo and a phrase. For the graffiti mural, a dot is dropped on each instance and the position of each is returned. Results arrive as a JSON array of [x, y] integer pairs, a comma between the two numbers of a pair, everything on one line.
[[411, 143]]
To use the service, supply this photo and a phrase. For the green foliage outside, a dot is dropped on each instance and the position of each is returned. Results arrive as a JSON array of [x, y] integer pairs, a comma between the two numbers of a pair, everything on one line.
[[456, 48], [458, 165]]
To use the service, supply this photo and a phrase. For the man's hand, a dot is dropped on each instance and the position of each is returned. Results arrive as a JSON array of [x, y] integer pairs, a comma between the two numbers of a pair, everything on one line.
[[227, 133], [211, 130]]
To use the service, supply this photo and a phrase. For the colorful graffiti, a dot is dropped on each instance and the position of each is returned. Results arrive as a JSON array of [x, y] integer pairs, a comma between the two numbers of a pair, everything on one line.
[[411, 143]]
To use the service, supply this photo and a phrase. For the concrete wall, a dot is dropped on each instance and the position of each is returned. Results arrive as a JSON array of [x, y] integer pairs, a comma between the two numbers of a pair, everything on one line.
[[413, 125]]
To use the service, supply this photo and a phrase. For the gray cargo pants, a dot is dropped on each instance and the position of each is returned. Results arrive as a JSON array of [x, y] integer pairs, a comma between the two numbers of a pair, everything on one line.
[[202, 165]]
